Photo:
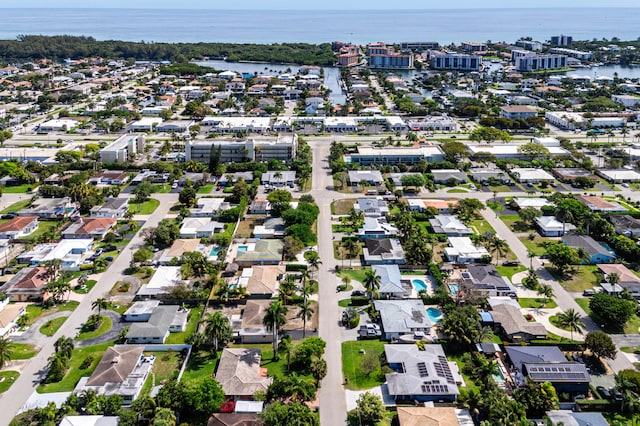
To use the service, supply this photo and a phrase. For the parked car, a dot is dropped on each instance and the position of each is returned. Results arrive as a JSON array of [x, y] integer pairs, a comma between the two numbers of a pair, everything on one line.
[[588, 292], [109, 258], [603, 392], [510, 263], [356, 293], [369, 331], [110, 248], [617, 395]]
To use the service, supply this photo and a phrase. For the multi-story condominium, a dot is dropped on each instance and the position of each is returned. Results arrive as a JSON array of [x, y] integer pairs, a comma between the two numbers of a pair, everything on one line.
[[455, 61], [583, 56], [529, 44], [391, 60], [419, 46], [526, 61], [377, 49], [561, 40], [281, 148], [473, 47], [122, 148], [347, 59]]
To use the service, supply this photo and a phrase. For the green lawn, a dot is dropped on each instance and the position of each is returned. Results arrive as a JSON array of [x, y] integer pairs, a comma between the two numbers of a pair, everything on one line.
[[353, 274], [23, 351], [457, 357], [555, 322], [631, 327], [499, 188], [536, 245], [148, 207], [352, 369], [90, 284], [342, 228], [495, 206], [166, 365], [69, 381], [179, 338], [7, 378], [35, 312], [510, 271], [535, 302], [105, 326], [50, 327], [584, 278], [161, 188], [201, 364], [43, 228], [457, 191], [15, 207], [20, 189], [583, 302], [205, 189], [481, 226]]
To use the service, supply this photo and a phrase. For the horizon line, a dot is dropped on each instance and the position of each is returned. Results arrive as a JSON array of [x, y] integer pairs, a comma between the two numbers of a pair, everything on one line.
[[317, 9]]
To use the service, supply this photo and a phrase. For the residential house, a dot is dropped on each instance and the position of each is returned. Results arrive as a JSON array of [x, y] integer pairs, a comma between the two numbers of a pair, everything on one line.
[[447, 176], [371, 206], [514, 325], [259, 252], [110, 177], [140, 311], [248, 326], [514, 112], [28, 285], [625, 225], [383, 251], [209, 207], [391, 286], [550, 226], [600, 205], [450, 226], [442, 206], [114, 207], [89, 227], [534, 202], [376, 227], [421, 374], [530, 175], [626, 280], [396, 178], [462, 250], [178, 248], [279, 179], [548, 364], [433, 416], [235, 419], [576, 418], [50, 208], [365, 177], [122, 370], [261, 282], [161, 283], [162, 321], [9, 315], [483, 280], [72, 252], [571, 174], [260, 206], [272, 227], [403, 317], [18, 227], [596, 252], [89, 421], [240, 375], [199, 227]]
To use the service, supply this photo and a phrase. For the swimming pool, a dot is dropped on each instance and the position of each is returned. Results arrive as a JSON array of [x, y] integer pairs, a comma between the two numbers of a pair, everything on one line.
[[242, 249], [214, 251], [499, 377], [454, 289], [434, 314], [419, 285]]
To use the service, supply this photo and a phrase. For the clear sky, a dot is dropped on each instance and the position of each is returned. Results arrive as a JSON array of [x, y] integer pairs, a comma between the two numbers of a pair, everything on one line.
[[311, 4]]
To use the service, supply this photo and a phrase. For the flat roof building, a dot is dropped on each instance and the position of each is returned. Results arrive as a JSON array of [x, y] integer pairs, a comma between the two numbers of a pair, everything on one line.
[[281, 148], [123, 149]]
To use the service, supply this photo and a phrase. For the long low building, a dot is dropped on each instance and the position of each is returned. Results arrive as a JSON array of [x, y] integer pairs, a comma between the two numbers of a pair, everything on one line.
[[281, 148], [393, 156], [503, 151]]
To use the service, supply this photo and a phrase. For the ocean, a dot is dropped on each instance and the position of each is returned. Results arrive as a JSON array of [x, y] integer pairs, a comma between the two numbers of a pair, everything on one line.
[[318, 26]]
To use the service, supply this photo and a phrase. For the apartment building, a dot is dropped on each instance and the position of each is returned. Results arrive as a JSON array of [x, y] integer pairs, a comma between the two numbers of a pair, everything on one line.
[[419, 46], [120, 150], [529, 45], [455, 61], [473, 47], [382, 56], [561, 40], [280, 148], [526, 61], [578, 54]]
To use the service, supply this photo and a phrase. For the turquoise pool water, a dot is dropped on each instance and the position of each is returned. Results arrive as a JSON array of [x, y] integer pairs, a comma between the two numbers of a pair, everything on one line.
[[419, 285], [214, 251], [454, 289], [242, 249], [498, 378], [434, 314]]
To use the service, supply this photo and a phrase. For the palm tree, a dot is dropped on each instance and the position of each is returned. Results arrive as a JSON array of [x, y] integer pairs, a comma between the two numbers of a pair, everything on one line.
[[287, 289], [372, 283], [318, 370], [570, 319], [564, 213], [217, 329], [613, 278], [531, 254], [314, 261], [6, 351], [64, 346], [498, 246], [286, 347], [352, 247], [100, 304], [306, 312], [275, 317], [583, 256], [545, 290]]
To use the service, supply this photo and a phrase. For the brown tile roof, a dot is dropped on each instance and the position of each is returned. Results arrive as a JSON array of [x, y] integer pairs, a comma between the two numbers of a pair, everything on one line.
[[427, 416], [264, 279], [234, 419], [181, 246], [597, 202], [116, 364], [625, 275], [441, 204], [34, 279], [10, 313], [239, 372], [17, 223], [90, 225]]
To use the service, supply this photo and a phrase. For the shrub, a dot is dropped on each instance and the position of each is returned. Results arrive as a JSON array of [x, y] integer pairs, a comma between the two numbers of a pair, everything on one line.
[[355, 321], [86, 363]]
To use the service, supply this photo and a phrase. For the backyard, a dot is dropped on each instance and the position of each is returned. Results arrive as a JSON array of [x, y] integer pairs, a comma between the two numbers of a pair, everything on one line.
[[194, 319], [585, 277], [355, 364]]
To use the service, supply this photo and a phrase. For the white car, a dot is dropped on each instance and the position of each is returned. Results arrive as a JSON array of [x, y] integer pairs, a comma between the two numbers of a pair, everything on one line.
[[175, 185]]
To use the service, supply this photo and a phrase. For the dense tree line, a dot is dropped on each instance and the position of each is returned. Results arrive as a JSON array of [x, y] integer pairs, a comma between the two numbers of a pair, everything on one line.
[[33, 47]]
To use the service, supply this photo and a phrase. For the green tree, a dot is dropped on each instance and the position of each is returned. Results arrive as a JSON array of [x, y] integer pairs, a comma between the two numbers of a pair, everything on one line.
[[533, 151], [306, 313], [489, 134], [64, 346], [142, 255], [100, 304], [461, 324], [454, 151], [6, 351], [570, 319], [187, 196], [562, 256], [529, 215], [369, 410], [372, 283], [275, 317], [613, 311], [293, 414], [537, 398], [217, 330], [286, 347], [318, 370], [545, 290], [279, 199], [600, 344], [164, 417], [413, 180]]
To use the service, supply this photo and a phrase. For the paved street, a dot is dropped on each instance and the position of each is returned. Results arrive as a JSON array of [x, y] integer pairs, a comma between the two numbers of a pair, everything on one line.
[[33, 373]]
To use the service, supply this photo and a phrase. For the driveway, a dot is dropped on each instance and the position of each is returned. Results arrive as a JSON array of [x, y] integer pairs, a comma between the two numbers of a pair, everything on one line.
[[109, 336]]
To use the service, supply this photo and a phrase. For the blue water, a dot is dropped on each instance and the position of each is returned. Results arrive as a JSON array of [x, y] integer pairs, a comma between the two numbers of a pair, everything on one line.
[[498, 378], [319, 26], [434, 314], [419, 285], [454, 289], [214, 251], [242, 249]]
